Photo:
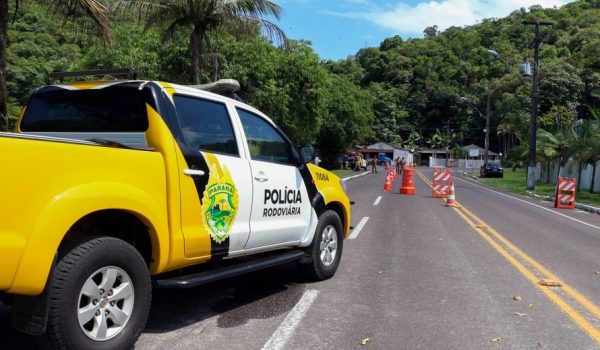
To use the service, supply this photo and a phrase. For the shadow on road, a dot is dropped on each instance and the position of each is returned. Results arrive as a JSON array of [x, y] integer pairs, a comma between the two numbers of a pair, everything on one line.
[[259, 295]]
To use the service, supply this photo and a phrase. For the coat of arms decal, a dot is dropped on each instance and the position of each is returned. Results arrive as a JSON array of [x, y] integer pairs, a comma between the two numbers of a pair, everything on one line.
[[219, 203]]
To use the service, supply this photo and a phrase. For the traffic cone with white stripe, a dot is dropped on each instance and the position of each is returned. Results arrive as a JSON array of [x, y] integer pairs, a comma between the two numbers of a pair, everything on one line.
[[451, 202], [388, 183]]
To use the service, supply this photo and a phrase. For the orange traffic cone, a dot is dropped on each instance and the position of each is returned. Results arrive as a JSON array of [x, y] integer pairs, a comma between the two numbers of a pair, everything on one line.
[[451, 201], [388, 183]]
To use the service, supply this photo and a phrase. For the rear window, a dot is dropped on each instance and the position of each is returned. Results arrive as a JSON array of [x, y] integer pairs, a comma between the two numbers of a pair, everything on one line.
[[111, 109]]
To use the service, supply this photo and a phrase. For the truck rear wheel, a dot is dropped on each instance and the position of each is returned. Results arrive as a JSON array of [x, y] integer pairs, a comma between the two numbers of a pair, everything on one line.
[[99, 297], [325, 252]]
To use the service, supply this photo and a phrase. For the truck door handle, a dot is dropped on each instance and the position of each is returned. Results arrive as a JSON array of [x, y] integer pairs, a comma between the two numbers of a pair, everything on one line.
[[193, 172], [260, 177]]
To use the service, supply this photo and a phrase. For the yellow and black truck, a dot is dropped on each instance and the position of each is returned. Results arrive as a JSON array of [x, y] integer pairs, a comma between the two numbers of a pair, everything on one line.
[[111, 188]]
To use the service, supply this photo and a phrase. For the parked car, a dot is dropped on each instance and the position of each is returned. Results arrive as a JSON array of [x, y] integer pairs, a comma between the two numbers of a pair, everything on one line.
[[348, 161], [492, 169]]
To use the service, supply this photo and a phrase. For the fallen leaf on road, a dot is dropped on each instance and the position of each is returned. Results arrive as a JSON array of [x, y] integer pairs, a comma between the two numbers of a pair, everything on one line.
[[496, 339], [517, 298], [550, 283], [530, 305], [365, 341], [520, 314], [597, 272]]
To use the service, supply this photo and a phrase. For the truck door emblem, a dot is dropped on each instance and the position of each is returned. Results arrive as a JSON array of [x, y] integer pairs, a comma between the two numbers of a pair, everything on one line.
[[219, 203]]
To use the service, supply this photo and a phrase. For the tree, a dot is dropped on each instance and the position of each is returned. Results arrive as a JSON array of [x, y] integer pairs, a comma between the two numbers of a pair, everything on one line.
[[239, 17], [559, 146], [89, 15], [3, 46], [591, 145], [349, 118]]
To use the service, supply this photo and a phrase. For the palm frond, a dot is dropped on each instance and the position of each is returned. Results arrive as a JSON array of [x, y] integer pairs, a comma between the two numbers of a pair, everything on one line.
[[245, 26], [255, 8], [90, 15], [143, 9]]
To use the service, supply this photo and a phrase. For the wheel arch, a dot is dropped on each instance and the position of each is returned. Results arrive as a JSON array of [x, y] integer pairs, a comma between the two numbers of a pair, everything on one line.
[[339, 209], [125, 225], [62, 221]]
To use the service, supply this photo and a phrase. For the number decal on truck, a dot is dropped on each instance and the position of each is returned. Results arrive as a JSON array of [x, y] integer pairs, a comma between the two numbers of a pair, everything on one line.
[[220, 202]]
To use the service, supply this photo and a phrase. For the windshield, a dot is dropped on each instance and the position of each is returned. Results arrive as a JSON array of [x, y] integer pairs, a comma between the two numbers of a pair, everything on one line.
[[112, 109]]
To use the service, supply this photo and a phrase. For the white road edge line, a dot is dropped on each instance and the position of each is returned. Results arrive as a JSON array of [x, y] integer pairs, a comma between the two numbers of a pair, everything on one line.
[[286, 329], [535, 205], [377, 201], [359, 227]]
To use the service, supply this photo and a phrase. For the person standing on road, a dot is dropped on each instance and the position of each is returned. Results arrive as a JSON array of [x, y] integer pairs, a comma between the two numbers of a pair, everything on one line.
[[397, 165], [373, 165], [402, 164]]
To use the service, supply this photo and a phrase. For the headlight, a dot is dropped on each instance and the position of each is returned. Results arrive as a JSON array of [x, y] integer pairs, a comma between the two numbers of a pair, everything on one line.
[[344, 186]]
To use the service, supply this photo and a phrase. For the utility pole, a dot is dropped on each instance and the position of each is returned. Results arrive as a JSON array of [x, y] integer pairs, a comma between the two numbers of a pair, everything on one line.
[[488, 111], [447, 140], [531, 166]]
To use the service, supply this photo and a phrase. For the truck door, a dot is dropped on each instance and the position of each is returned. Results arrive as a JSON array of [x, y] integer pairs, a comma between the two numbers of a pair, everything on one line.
[[215, 212], [281, 209]]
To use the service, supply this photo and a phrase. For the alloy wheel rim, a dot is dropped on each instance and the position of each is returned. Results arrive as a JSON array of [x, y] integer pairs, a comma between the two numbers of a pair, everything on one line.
[[328, 247], [105, 303]]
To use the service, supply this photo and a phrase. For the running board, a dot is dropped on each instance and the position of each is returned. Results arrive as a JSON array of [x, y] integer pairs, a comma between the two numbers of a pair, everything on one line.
[[216, 274]]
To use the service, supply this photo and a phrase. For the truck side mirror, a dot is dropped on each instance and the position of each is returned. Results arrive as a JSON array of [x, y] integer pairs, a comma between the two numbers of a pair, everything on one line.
[[307, 153]]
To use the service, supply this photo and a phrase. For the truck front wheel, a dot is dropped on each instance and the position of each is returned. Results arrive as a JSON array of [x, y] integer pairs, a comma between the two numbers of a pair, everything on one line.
[[325, 252], [99, 297]]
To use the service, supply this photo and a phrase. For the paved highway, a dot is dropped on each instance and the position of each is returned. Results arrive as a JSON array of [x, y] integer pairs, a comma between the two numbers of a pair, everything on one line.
[[415, 274]]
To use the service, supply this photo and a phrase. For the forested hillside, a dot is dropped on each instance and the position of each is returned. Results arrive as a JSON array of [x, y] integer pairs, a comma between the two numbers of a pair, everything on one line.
[[417, 92]]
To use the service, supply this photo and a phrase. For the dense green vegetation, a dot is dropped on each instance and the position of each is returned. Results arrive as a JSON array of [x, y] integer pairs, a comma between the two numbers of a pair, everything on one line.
[[417, 92]]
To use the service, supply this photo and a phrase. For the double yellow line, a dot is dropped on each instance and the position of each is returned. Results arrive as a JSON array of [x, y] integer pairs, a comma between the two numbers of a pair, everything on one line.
[[516, 257]]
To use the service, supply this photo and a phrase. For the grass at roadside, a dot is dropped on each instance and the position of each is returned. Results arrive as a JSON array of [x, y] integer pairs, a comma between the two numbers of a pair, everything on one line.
[[514, 181], [344, 173]]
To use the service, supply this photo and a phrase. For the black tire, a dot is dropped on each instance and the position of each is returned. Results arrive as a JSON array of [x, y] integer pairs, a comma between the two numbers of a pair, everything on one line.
[[65, 294], [313, 267]]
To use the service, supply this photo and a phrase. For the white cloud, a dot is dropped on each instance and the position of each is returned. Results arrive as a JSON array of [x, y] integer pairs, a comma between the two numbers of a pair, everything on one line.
[[405, 18]]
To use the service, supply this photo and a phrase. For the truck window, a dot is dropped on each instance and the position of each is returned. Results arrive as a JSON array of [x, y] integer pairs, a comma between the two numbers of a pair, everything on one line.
[[111, 109], [206, 125], [265, 143]]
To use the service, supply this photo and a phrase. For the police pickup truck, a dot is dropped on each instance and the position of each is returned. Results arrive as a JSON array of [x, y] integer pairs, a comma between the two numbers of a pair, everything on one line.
[[111, 188]]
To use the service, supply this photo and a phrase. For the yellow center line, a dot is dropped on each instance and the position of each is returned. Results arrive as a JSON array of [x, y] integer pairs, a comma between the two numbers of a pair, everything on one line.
[[481, 227]]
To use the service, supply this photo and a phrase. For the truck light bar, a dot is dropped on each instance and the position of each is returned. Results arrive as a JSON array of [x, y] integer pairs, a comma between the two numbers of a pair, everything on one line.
[[131, 71]]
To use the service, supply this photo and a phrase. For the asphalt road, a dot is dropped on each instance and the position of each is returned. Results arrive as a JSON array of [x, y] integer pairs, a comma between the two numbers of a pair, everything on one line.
[[418, 275]]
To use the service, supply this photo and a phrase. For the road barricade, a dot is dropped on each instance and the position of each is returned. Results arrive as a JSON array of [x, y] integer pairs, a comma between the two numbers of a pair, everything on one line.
[[565, 193], [408, 185], [441, 182]]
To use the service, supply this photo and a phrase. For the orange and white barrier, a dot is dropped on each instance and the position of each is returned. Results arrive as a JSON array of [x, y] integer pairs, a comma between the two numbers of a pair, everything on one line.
[[565, 193], [440, 189]]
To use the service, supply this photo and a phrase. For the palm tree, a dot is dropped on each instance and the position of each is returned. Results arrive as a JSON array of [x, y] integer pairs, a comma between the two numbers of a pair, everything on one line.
[[591, 144], [557, 146], [240, 17], [435, 142], [90, 15]]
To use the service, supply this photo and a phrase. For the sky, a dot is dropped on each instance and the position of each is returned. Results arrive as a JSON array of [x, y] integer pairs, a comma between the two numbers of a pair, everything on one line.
[[338, 29]]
